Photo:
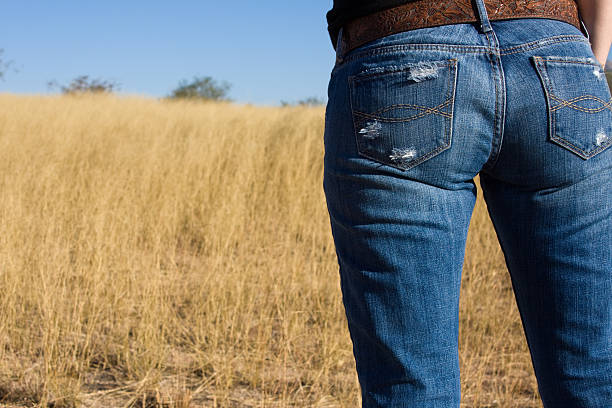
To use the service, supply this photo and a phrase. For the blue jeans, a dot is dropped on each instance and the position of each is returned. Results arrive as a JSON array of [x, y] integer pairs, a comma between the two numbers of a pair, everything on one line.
[[412, 118]]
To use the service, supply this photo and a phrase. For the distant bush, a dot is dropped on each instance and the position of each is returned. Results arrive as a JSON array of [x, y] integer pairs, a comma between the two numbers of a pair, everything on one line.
[[310, 101], [4, 65], [205, 88], [84, 84]]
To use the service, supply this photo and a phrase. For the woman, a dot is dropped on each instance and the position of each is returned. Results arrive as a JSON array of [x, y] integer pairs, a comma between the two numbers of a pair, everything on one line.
[[424, 96]]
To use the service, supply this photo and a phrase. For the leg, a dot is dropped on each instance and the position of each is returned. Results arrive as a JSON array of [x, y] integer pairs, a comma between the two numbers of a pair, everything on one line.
[[400, 249], [400, 226], [559, 253], [549, 196]]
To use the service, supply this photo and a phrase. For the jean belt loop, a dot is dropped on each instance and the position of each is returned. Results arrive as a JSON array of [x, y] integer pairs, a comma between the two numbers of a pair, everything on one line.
[[339, 47], [584, 30], [483, 17]]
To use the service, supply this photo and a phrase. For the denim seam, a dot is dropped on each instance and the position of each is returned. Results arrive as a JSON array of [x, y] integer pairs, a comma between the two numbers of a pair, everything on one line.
[[502, 109], [564, 142], [390, 49], [572, 62], [496, 142], [566, 60], [539, 62], [586, 155], [415, 162], [467, 49], [542, 43]]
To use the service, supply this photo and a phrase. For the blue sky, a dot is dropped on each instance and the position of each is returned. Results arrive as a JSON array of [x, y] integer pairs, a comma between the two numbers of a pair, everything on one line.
[[268, 50]]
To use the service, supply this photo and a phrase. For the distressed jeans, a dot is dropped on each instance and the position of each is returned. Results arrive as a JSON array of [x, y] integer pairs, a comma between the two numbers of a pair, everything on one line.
[[412, 118]]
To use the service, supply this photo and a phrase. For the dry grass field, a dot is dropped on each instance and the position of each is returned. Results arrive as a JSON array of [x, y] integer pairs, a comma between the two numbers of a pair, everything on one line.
[[177, 254]]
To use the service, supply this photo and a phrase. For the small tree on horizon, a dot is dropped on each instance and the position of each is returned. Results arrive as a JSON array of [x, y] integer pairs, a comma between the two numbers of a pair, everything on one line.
[[4, 65], [205, 88], [310, 101], [83, 84]]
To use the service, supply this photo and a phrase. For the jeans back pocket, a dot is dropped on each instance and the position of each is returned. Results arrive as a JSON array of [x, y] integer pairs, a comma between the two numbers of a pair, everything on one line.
[[403, 114], [579, 103]]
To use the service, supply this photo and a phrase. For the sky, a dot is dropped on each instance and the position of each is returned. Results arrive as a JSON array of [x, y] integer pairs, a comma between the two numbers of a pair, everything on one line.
[[269, 51]]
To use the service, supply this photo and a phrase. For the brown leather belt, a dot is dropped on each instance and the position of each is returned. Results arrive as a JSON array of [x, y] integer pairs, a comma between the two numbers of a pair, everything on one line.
[[431, 13]]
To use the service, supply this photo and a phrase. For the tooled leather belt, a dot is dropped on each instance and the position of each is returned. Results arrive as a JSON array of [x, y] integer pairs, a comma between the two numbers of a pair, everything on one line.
[[431, 13]]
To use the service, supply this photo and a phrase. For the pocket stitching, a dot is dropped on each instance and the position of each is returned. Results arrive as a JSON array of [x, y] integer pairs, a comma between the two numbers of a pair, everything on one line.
[[570, 103], [427, 111], [547, 85], [450, 99]]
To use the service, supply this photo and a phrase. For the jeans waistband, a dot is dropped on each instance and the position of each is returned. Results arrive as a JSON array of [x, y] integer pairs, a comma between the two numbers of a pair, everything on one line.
[[431, 13]]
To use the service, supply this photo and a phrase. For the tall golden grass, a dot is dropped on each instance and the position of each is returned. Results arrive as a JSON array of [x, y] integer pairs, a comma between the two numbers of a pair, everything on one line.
[[176, 254]]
